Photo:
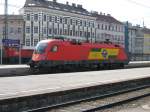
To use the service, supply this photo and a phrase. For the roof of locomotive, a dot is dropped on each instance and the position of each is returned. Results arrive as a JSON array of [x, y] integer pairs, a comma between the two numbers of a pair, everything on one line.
[[100, 44]]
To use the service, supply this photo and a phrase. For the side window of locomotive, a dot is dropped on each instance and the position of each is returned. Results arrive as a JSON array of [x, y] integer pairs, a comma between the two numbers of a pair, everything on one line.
[[54, 48]]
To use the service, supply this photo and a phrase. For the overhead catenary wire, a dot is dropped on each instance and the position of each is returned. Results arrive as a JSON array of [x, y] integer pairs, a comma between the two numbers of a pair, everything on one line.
[[138, 3]]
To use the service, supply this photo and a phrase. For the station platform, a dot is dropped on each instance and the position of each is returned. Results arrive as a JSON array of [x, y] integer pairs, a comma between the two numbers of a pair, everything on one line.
[[12, 87], [10, 70], [54, 88]]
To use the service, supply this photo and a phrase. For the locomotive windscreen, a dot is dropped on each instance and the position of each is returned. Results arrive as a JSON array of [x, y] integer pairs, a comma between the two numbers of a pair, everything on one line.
[[40, 47]]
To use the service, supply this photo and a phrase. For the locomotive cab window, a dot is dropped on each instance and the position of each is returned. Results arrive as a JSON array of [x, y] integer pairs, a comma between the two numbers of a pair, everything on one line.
[[54, 48], [40, 48]]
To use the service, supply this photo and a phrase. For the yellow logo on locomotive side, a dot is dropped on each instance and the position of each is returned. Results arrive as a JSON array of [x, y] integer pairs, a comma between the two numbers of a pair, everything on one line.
[[103, 53]]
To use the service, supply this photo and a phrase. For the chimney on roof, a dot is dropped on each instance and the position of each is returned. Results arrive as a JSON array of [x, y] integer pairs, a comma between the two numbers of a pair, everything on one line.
[[104, 14], [108, 15], [73, 4], [94, 12], [137, 25], [79, 6], [67, 3], [100, 13]]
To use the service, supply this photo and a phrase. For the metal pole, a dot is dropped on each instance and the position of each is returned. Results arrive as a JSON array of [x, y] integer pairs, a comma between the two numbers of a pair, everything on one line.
[[5, 24], [19, 53], [1, 53], [6, 19]]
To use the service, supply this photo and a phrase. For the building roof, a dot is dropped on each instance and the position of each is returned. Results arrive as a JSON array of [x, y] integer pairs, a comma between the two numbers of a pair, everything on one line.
[[12, 17], [145, 30], [57, 6], [106, 18]]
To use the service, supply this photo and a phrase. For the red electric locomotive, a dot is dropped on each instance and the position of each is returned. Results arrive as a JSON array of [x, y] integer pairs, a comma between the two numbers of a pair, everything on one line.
[[53, 53]]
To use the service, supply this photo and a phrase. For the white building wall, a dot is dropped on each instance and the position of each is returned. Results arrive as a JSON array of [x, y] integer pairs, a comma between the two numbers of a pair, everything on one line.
[[113, 32], [47, 28]]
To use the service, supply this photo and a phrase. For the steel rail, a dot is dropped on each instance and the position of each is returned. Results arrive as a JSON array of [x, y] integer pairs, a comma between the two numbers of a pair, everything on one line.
[[116, 103], [46, 108]]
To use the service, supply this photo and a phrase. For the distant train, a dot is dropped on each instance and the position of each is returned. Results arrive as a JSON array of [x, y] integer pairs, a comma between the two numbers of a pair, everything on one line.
[[12, 55], [56, 53]]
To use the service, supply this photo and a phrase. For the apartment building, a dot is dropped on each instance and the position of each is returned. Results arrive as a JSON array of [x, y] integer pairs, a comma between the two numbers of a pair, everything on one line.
[[45, 19], [15, 28], [109, 28]]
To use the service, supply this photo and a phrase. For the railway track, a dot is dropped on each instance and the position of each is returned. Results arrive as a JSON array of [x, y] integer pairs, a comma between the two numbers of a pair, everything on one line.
[[27, 72], [99, 103]]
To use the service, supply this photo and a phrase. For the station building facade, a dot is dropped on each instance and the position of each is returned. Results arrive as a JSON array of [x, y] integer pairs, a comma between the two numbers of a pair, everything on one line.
[[139, 43], [46, 19], [109, 28], [15, 28]]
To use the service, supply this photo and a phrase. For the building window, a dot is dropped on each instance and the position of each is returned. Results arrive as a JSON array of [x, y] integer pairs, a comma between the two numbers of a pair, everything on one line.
[[85, 23], [65, 20], [89, 24], [122, 29], [93, 25], [50, 31], [60, 19], [3, 30], [109, 27], [76, 22], [93, 35], [28, 17], [98, 26], [55, 19], [28, 29], [116, 28], [88, 35], [80, 22], [11, 30], [50, 18], [70, 32], [73, 32], [65, 32], [19, 30], [35, 17], [36, 29], [55, 31], [105, 27], [60, 31], [112, 28], [27, 42], [80, 33], [85, 34], [44, 17], [70, 21], [76, 33], [35, 42], [102, 27], [45, 30]]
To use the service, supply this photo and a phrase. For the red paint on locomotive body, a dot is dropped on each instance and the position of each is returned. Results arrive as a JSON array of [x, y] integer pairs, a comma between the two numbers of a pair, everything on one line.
[[59, 50]]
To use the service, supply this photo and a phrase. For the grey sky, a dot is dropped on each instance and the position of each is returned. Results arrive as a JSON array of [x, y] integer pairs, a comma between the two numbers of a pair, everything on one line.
[[134, 11]]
